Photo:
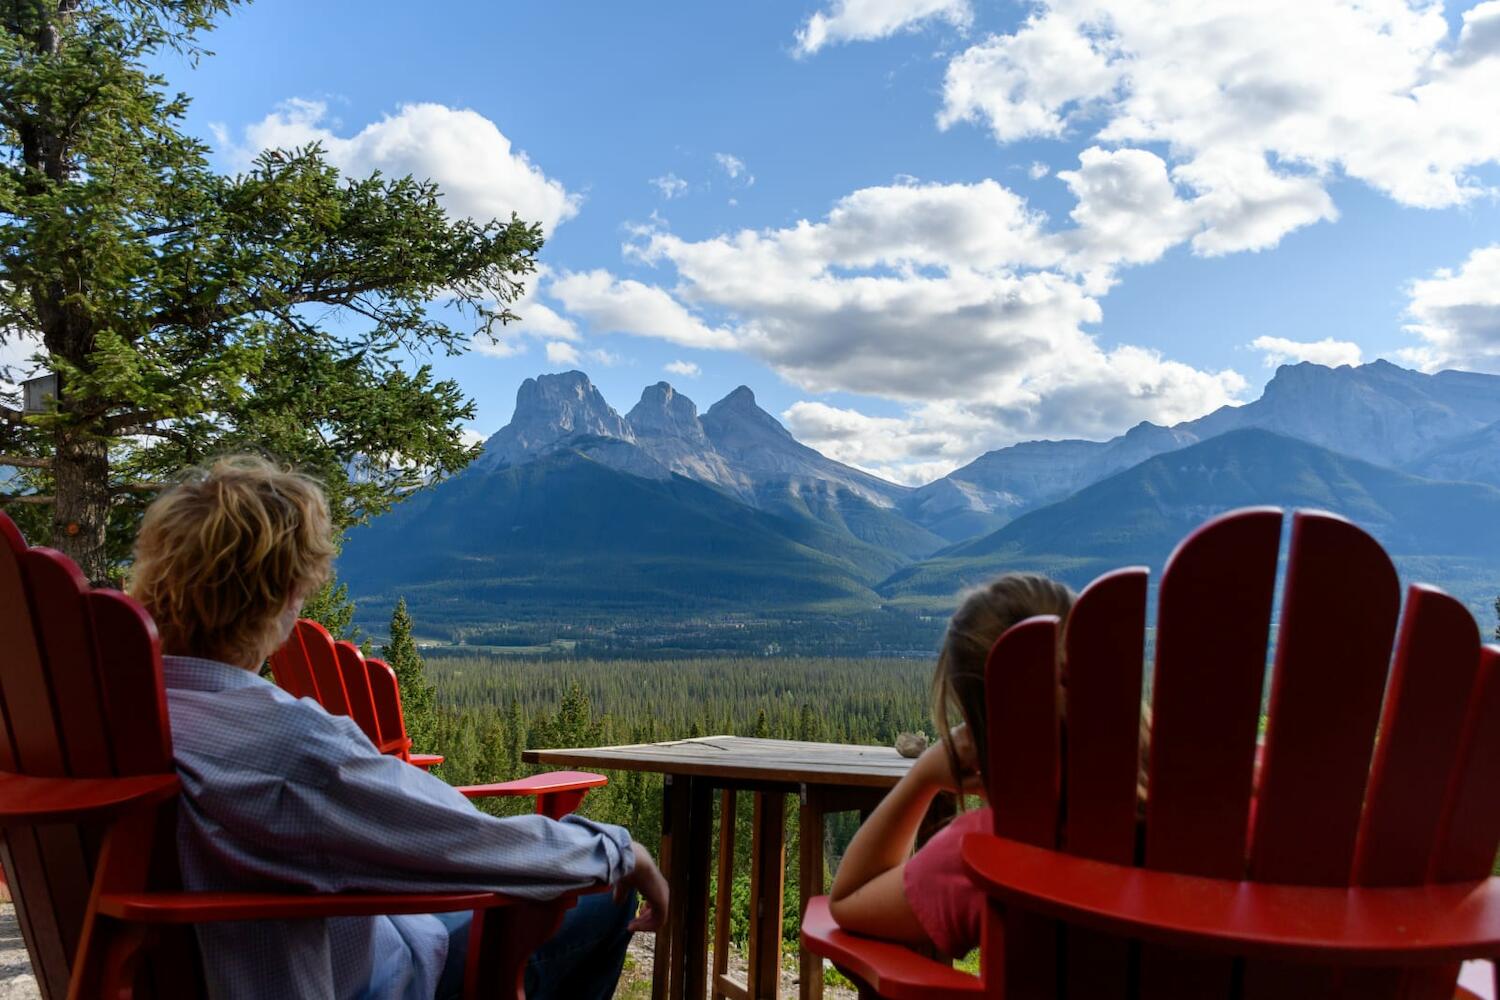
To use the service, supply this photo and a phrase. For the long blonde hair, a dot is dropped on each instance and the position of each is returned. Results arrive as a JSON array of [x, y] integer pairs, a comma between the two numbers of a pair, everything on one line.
[[220, 555], [983, 616]]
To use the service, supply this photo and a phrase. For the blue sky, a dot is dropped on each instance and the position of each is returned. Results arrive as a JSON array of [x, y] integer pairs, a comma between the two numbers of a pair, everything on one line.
[[874, 261]]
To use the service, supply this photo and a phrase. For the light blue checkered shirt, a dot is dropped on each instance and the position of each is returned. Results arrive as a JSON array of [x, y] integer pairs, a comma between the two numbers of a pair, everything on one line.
[[277, 793]]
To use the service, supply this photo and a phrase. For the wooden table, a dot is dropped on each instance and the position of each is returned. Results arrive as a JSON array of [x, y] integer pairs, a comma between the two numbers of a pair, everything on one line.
[[827, 777]]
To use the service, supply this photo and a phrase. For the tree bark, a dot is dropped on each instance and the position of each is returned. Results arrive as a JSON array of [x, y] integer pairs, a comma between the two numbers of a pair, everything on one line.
[[80, 513]]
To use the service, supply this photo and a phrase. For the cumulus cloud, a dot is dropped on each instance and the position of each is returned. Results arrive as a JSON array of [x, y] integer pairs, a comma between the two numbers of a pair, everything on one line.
[[1330, 352], [686, 369], [670, 185], [612, 305], [863, 20], [1038, 170], [1256, 110], [562, 353], [537, 321], [923, 294], [1457, 315], [474, 164]]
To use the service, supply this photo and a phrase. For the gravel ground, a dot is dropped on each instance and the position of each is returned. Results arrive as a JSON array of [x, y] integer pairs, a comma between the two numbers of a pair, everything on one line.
[[16, 980]]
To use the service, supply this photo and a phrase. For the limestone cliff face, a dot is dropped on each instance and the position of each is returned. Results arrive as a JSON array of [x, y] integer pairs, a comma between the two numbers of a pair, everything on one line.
[[667, 427], [756, 444], [552, 410]]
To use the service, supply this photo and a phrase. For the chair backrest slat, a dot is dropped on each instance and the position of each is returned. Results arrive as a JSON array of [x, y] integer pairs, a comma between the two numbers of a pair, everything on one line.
[[1105, 644], [1213, 620], [131, 683], [323, 661], [1471, 821], [1212, 624], [289, 667], [1339, 608], [386, 691], [62, 617], [1432, 679], [1022, 777], [357, 689], [1103, 662], [1333, 652]]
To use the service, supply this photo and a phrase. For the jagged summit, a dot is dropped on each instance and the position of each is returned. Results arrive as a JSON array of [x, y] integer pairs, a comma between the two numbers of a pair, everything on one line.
[[665, 411], [550, 409], [738, 422]]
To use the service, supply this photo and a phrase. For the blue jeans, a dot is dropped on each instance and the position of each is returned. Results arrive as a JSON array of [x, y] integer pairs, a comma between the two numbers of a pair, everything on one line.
[[582, 961]]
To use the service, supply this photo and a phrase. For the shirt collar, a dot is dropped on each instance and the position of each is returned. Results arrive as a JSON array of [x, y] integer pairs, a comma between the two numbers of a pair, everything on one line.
[[194, 673]]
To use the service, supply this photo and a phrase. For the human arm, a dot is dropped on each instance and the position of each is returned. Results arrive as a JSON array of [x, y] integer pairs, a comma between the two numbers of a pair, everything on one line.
[[321, 809], [868, 894], [647, 880]]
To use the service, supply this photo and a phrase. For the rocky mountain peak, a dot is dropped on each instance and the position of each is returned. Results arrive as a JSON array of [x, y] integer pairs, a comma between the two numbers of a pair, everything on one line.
[[665, 412], [550, 408], [738, 420]]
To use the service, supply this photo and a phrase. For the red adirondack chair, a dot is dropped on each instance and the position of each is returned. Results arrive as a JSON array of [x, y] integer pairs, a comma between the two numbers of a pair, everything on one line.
[[337, 676], [88, 797], [1355, 865]]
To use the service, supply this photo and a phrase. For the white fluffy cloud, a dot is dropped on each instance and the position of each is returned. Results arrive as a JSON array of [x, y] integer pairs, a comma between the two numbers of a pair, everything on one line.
[[537, 322], [686, 369], [924, 294], [561, 353], [1255, 108], [863, 20], [1330, 352], [614, 306], [474, 164], [1457, 315]]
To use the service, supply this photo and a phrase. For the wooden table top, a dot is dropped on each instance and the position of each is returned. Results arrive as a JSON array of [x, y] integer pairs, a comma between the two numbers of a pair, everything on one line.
[[743, 758]]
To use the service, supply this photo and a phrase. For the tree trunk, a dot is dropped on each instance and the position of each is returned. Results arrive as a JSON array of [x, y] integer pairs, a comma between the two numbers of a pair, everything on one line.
[[80, 510]]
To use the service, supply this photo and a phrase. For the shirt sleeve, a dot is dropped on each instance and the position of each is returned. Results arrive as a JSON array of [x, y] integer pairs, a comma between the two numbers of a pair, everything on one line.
[[341, 816], [946, 903]]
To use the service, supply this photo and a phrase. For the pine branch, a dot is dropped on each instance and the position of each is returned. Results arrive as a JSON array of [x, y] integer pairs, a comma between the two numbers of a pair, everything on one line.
[[25, 462]]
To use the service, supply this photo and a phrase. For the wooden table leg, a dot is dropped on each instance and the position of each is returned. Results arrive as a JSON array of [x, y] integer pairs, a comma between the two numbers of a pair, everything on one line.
[[693, 821], [673, 820], [724, 897], [767, 878], [810, 884]]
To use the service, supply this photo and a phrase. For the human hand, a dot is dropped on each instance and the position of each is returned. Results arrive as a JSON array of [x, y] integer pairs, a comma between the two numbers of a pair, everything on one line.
[[647, 880], [935, 767]]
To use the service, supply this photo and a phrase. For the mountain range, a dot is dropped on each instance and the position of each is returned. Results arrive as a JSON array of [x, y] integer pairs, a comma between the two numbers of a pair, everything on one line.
[[575, 513]]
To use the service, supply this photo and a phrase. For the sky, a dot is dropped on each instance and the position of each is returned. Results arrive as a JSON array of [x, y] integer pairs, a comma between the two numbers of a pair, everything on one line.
[[922, 229]]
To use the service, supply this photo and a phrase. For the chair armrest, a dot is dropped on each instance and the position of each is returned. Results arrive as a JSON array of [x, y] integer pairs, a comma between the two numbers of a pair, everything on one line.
[[538, 784], [211, 907], [891, 970], [426, 761], [1420, 925], [27, 800]]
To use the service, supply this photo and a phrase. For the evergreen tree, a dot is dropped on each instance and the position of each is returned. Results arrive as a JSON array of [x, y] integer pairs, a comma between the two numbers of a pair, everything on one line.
[[330, 607], [417, 699], [515, 738], [762, 726], [188, 313], [1497, 619]]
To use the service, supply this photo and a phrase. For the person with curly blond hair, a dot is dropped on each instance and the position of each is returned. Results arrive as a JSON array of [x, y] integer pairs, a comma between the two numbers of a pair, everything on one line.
[[278, 794]]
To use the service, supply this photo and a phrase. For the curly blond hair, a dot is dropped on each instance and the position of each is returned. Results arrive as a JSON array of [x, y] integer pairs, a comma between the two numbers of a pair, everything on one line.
[[220, 556]]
